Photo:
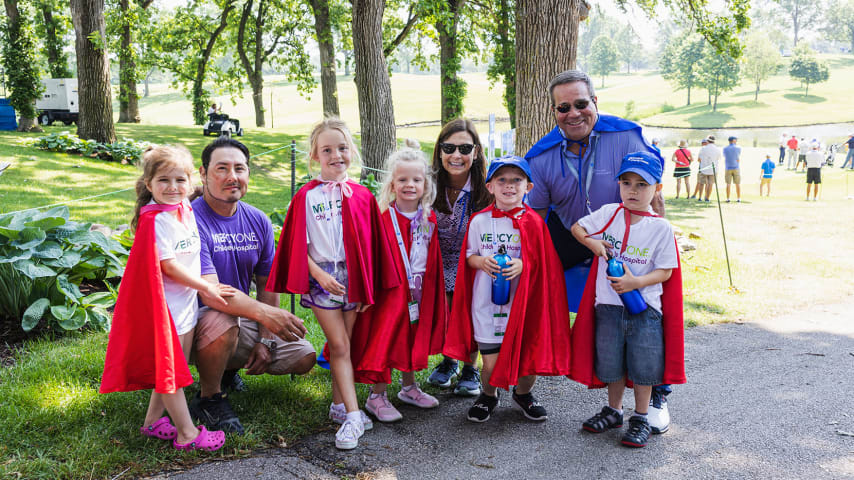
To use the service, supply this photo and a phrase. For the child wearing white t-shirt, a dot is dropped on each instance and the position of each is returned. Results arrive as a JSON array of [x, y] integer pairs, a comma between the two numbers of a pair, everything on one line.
[[525, 334], [629, 346]]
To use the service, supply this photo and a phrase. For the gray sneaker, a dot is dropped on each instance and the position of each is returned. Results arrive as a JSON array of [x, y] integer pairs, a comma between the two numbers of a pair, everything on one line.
[[469, 384], [444, 373]]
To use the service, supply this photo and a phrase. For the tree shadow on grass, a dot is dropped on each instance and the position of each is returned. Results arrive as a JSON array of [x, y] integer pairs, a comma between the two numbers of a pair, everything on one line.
[[704, 308], [751, 93], [710, 119], [801, 98]]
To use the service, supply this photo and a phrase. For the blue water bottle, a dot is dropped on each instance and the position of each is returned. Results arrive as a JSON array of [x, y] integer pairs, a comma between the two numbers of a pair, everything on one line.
[[500, 285], [632, 300]]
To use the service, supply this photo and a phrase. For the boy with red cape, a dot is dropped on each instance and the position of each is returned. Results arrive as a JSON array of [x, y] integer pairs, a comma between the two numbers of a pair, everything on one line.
[[530, 335], [610, 343]]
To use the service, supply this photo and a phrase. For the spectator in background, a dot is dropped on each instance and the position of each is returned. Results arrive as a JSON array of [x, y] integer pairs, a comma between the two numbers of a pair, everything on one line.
[[792, 144], [682, 158], [732, 174], [783, 141], [850, 157], [803, 149], [813, 161], [708, 156], [698, 190], [767, 174]]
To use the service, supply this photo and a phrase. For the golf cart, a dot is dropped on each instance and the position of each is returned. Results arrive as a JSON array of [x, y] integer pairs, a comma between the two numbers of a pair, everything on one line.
[[220, 124]]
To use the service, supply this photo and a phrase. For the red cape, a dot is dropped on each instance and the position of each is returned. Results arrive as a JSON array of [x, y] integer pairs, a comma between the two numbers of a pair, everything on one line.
[[395, 342], [584, 330], [537, 338], [368, 267], [144, 350], [372, 274]]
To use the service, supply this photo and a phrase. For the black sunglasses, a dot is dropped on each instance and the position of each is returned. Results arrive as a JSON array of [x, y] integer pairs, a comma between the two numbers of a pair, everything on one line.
[[578, 104], [464, 148]]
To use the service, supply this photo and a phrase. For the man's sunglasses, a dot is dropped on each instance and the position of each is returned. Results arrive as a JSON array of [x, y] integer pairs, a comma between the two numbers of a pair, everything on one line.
[[566, 107], [464, 148]]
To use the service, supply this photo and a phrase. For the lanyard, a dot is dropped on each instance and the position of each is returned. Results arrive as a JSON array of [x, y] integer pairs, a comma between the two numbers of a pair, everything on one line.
[[588, 177], [408, 260], [628, 218], [466, 195], [335, 228]]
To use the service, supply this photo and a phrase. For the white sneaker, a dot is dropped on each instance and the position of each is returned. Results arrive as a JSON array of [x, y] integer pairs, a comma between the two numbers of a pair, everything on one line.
[[658, 416], [347, 437], [339, 415]]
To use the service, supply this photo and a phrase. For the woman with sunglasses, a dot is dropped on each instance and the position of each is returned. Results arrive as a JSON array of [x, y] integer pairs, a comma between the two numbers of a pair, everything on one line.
[[460, 190]]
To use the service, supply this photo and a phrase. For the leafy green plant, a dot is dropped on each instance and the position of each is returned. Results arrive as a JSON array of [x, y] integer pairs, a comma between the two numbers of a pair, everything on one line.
[[126, 150], [44, 257], [372, 183]]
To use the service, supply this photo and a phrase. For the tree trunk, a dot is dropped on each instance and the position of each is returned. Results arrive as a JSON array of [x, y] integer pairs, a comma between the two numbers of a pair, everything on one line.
[[807, 91], [452, 87], [326, 44], [257, 82], [200, 96], [689, 95], [93, 72], [254, 69], [376, 111], [128, 98], [546, 44], [506, 57], [756, 95], [56, 61], [795, 23]]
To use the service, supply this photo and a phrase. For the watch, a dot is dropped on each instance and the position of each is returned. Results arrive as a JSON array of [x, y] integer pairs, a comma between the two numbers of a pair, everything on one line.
[[269, 343]]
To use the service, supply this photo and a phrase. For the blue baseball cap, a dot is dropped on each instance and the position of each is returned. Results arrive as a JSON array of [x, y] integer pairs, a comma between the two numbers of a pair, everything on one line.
[[509, 161], [645, 164]]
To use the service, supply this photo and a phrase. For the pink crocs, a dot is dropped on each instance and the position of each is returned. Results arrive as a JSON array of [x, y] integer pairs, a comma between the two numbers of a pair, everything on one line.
[[206, 440], [162, 429], [416, 397]]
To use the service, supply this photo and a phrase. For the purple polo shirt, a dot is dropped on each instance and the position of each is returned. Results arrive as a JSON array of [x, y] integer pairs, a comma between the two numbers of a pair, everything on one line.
[[235, 248], [555, 185]]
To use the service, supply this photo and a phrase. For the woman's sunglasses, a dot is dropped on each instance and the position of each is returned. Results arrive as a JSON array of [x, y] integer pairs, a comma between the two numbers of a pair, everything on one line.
[[464, 148], [578, 104]]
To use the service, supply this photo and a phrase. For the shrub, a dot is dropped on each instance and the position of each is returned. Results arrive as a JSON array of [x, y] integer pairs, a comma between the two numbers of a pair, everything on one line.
[[127, 150], [666, 107], [44, 257]]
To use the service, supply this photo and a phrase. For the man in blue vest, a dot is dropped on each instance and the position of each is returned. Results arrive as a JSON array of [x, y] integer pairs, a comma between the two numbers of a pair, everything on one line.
[[573, 170]]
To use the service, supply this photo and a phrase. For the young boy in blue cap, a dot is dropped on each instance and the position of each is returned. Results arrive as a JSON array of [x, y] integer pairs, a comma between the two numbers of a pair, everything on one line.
[[630, 347], [529, 334]]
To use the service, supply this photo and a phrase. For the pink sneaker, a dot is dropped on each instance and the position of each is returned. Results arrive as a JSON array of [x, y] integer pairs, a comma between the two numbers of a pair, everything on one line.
[[381, 408], [416, 397]]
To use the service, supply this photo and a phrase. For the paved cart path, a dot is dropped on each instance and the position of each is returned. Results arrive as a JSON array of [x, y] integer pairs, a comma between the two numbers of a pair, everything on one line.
[[768, 399]]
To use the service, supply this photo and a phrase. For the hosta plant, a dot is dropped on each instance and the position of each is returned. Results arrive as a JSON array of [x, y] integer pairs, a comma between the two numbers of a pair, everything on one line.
[[44, 258]]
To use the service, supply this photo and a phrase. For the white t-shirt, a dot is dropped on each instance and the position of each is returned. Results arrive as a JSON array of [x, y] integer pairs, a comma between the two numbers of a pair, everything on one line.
[[179, 241], [814, 159], [324, 227], [488, 319], [708, 156], [651, 246]]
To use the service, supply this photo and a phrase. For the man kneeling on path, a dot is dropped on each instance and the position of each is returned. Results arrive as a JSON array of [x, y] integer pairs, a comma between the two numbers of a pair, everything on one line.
[[238, 248]]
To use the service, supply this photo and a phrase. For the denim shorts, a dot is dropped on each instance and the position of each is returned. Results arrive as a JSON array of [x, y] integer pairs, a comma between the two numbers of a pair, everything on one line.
[[631, 345], [320, 298]]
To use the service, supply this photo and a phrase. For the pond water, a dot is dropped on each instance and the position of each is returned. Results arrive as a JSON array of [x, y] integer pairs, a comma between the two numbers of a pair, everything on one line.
[[756, 137]]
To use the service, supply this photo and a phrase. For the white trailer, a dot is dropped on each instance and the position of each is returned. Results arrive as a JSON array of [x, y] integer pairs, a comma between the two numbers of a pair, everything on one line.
[[59, 101]]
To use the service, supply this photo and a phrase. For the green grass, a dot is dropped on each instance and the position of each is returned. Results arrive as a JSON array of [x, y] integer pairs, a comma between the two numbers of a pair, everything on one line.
[[55, 424], [781, 102]]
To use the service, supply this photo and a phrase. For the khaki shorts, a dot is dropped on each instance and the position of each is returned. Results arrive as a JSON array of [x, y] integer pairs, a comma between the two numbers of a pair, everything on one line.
[[732, 176], [213, 324], [765, 181], [705, 179]]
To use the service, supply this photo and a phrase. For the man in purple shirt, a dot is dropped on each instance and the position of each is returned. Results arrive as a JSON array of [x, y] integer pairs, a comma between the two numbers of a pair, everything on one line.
[[574, 169], [238, 249]]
